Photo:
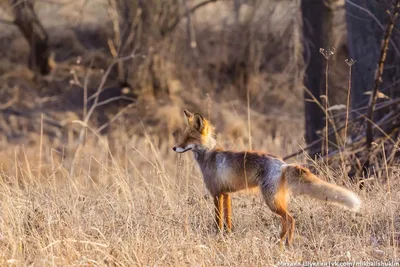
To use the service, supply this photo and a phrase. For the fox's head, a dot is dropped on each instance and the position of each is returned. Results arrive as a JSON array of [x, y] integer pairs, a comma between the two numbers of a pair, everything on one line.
[[198, 135]]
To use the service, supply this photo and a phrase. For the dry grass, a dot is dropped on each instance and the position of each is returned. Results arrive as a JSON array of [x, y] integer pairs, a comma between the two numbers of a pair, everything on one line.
[[138, 206], [131, 201]]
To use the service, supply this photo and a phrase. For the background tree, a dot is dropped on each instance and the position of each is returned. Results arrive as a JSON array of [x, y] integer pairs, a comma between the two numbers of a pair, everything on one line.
[[28, 23], [317, 33]]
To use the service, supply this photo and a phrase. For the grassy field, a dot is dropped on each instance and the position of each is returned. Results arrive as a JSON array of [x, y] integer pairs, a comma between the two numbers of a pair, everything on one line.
[[122, 197], [144, 207]]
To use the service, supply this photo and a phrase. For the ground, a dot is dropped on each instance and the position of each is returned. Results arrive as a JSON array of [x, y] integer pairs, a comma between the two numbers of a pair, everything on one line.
[[119, 196]]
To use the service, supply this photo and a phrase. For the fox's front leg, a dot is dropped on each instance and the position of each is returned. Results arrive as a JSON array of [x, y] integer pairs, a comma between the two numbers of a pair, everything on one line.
[[219, 207], [228, 211]]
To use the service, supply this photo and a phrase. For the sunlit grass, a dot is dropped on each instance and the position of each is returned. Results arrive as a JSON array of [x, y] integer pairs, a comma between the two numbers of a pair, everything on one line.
[[144, 207]]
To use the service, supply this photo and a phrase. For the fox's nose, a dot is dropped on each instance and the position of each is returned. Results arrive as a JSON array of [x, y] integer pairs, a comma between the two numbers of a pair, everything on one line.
[[174, 148]]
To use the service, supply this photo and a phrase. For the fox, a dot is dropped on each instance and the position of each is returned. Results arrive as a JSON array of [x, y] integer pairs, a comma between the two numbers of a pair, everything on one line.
[[225, 172]]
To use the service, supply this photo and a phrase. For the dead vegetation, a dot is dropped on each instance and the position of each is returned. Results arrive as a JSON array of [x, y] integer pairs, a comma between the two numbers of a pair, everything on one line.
[[142, 206], [87, 174]]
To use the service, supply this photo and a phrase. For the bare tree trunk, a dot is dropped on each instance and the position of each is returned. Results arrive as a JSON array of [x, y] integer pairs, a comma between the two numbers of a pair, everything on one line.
[[366, 22], [317, 31], [33, 31]]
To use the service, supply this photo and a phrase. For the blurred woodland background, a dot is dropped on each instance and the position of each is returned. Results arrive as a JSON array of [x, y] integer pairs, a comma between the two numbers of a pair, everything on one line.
[[95, 90], [57, 57], [152, 58]]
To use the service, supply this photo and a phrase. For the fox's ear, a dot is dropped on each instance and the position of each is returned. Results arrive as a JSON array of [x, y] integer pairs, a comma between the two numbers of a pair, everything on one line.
[[198, 123], [188, 116], [187, 113]]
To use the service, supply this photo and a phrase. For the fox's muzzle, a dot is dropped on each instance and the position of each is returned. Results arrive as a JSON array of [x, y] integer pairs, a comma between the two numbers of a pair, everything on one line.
[[181, 150]]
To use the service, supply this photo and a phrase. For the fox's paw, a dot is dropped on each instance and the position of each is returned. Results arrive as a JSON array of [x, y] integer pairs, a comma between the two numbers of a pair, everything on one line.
[[283, 244], [218, 230], [229, 229], [224, 230]]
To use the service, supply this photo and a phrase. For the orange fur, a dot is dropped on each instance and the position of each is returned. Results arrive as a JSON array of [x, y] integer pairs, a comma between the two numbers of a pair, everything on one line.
[[219, 211], [228, 211]]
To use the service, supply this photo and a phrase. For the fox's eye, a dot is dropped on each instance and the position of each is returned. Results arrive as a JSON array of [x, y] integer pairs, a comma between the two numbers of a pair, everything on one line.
[[177, 133], [191, 140]]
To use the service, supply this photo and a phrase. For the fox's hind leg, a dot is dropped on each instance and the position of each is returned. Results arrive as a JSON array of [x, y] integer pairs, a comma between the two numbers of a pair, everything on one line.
[[228, 211], [277, 202], [219, 209], [287, 224]]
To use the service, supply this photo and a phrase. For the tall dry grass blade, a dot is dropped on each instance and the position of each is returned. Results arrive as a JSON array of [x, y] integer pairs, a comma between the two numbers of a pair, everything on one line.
[[326, 106], [28, 165], [350, 63], [40, 146], [248, 117], [16, 169]]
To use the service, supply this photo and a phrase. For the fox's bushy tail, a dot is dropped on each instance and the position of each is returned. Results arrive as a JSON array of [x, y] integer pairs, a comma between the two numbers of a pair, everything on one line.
[[302, 181]]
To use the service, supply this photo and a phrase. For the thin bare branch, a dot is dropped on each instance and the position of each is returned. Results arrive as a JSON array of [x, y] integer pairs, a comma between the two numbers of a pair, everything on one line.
[[7, 22], [92, 108], [191, 10], [378, 74]]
